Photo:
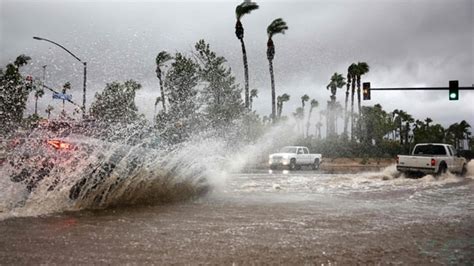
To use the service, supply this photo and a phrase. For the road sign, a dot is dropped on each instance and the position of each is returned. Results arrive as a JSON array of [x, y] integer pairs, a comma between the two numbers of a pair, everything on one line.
[[62, 96]]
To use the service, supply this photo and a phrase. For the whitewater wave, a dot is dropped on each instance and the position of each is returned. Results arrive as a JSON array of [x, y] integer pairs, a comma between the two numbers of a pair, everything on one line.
[[38, 179], [391, 176], [470, 170], [95, 173]]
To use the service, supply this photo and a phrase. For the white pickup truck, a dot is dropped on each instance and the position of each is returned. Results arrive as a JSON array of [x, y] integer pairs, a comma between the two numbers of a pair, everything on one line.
[[294, 157], [432, 158]]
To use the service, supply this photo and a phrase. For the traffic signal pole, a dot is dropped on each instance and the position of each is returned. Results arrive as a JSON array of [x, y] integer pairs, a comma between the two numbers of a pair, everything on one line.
[[453, 89], [420, 89]]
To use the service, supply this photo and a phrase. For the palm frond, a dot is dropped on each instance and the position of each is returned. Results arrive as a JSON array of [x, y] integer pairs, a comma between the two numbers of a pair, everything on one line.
[[362, 67], [162, 58], [22, 60], [245, 8], [352, 70], [277, 26]]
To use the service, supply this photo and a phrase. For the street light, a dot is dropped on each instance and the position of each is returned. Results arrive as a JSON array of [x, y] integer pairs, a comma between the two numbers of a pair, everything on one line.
[[85, 70]]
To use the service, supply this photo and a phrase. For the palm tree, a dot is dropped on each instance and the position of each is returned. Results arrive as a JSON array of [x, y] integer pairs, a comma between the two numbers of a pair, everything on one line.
[[419, 124], [362, 69], [281, 99], [66, 87], [321, 114], [459, 132], [395, 122], [277, 26], [318, 129], [464, 128], [161, 59], [48, 110], [299, 115], [253, 94], [314, 104], [408, 119], [428, 121], [38, 94], [352, 71], [346, 117], [21, 60], [245, 8], [337, 113], [304, 99], [336, 81]]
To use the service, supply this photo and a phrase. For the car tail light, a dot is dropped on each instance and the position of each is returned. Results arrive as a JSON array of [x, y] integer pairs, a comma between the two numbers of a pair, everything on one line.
[[397, 159], [59, 145], [433, 162]]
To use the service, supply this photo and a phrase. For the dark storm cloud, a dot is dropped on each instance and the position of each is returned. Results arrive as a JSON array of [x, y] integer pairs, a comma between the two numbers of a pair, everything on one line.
[[406, 43]]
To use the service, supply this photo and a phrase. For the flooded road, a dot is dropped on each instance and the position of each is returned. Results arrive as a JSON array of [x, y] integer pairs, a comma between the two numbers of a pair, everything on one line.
[[301, 217]]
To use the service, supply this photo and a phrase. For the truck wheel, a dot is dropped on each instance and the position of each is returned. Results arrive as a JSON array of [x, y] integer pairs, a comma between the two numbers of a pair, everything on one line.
[[316, 164], [273, 167], [292, 165], [442, 169]]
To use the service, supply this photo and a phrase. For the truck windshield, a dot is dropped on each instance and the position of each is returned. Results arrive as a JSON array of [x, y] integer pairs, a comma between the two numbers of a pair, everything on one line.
[[288, 150], [429, 150]]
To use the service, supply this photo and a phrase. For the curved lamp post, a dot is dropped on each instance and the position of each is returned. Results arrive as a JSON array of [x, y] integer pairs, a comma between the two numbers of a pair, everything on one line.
[[85, 70]]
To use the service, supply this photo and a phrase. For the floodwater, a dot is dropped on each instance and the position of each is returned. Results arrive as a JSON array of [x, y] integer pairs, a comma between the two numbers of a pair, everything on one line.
[[300, 217]]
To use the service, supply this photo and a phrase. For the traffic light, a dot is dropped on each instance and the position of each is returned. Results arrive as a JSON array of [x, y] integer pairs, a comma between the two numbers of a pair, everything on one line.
[[366, 90], [453, 90]]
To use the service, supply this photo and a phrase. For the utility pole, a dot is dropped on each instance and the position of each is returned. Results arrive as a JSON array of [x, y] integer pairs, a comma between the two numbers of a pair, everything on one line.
[[85, 71]]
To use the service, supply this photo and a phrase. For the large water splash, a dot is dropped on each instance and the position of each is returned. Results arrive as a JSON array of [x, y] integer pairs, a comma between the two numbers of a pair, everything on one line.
[[93, 173], [126, 169]]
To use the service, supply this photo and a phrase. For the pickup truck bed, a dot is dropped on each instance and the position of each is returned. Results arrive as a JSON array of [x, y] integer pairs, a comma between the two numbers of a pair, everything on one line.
[[431, 158]]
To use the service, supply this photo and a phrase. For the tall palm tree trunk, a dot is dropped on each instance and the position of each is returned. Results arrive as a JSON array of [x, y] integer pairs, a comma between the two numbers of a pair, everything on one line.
[[273, 91], [246, 73], [352, 109], [162, 94], [346, 117], [358, 94], [359, 116], [36, 105], [307, 123], [331, 116], [279, 109], [401, 132]]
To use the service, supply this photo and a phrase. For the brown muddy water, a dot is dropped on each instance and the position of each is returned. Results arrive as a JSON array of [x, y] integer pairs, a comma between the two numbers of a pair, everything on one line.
[[300, 217]]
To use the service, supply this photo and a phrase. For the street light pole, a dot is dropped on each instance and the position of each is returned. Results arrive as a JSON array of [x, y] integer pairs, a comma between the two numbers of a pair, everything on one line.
[[84, 91], [85, 71]]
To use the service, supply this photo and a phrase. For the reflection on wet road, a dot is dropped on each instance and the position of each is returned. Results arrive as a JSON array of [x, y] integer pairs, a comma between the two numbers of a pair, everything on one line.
[[298, 217]]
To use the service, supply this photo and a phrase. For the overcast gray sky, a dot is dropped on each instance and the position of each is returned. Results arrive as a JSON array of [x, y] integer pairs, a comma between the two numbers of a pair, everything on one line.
[[406, 43]]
